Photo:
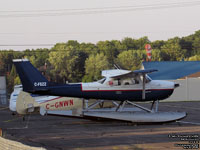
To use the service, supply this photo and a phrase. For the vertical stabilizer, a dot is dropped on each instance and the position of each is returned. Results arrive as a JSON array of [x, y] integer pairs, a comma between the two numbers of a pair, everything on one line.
[[32, 80]]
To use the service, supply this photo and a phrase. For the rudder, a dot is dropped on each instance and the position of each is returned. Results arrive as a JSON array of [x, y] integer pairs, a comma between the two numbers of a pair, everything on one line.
[[32, 80]]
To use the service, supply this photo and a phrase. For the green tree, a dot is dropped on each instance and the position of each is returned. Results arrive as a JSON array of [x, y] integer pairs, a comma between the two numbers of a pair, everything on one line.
[[137, 44], [2, 64], [186, 43], [131, 59], [156, 55], [38, 57], [172, 50], [194, 58], [129, 43], [109, 49], [119, 47], [17, 81], [64, 60], [141, 42], [73, 43], [157, 44], [10, 79], [196, 43], [89, 48], [94, 65]]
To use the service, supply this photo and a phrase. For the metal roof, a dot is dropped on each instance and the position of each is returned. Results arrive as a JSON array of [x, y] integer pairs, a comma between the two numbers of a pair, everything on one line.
[[172, 70]]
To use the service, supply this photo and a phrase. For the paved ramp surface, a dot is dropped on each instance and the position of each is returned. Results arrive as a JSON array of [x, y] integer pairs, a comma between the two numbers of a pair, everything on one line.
[[62, 133]]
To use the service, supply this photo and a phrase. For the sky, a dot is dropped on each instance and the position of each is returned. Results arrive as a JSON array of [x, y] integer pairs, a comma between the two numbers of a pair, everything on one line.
[[31, 24]]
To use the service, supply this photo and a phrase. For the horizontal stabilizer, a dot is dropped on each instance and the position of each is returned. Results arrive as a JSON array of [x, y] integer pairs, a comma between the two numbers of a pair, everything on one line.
[[25, 103]]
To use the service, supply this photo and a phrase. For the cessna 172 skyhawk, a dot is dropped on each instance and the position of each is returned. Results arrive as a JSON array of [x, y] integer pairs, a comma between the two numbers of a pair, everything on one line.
[[117, 85]]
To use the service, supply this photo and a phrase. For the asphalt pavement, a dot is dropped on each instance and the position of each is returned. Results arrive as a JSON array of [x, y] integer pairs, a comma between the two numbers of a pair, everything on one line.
[[63, 133]]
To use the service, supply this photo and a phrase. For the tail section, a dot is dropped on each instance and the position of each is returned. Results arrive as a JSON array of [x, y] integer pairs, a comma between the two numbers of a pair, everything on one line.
[[32, 80], [25, 103]]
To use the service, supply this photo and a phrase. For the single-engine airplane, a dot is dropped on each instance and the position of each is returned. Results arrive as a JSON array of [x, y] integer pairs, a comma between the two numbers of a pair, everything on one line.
[[117, 85]]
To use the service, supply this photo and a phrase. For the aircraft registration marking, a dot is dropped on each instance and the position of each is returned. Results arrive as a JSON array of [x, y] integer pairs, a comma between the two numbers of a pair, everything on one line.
[[60, 104], [40, 84]]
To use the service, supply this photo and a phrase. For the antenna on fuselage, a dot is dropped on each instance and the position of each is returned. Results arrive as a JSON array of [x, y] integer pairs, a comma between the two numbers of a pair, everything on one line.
[[117, 66]]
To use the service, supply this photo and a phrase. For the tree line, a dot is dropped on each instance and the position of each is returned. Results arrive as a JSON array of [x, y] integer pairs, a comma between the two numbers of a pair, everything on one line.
[[75, 62]]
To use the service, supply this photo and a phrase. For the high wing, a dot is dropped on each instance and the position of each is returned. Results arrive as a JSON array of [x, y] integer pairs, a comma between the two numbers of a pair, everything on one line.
[[133, 73]]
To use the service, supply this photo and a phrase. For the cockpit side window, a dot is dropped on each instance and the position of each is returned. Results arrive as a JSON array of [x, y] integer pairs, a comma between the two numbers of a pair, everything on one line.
[[135, 81]]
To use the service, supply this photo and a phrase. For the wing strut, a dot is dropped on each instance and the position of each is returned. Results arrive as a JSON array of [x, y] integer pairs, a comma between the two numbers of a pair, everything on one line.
[[143, 85]]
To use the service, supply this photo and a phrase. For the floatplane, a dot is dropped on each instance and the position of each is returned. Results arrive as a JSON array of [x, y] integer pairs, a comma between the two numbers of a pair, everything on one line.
[[121, 87]]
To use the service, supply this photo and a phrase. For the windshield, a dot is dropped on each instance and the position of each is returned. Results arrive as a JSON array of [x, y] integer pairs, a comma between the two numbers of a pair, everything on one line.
[[148, 79]]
